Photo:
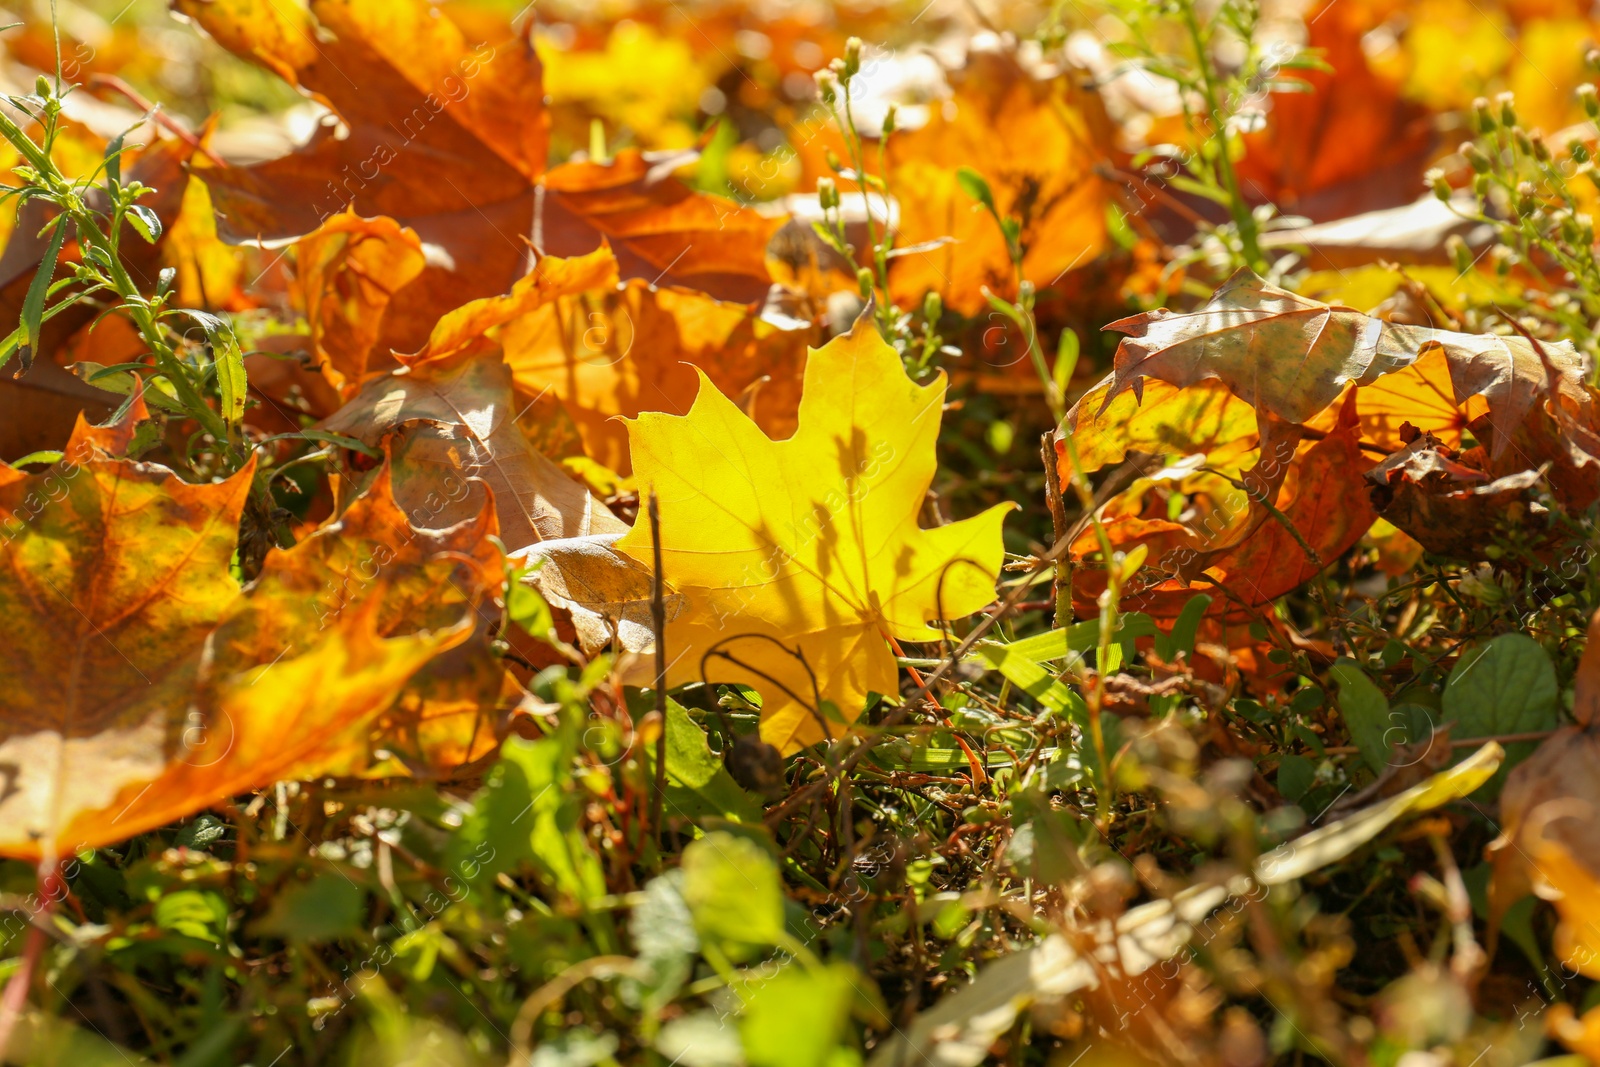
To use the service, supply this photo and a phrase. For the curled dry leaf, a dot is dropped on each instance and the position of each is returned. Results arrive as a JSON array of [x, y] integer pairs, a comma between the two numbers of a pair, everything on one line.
[[1292, 356], [1527, 403], [1226, 541], [454, 422], [800, 558], [152, 687], [605, 594], [346, 275]]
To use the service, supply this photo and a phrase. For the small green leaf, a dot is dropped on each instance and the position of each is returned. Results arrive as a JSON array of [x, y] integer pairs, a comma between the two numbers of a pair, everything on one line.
[[527, 608], [200, 914], [114, 159], [698, 784], [229, 360], [1505, 686], [1066, 360], [973, 184], [38, 290], [1182, 637], [1365, 710], [798, 1017], [663, 935], [327, 907], [145, 221], [734, 893], [551, 819], [1296, 774], [336, 439], [1026, 674]]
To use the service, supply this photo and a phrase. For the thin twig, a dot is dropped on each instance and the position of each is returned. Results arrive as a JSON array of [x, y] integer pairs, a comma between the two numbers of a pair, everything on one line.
[[15, 999]]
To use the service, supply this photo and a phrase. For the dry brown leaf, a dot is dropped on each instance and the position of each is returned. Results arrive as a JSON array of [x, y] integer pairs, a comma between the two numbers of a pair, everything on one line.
[[454, 422], [605, 594], [1292, 356]]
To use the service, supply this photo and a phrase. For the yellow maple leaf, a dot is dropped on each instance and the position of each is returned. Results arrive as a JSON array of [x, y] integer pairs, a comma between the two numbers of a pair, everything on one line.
[[810, 546]]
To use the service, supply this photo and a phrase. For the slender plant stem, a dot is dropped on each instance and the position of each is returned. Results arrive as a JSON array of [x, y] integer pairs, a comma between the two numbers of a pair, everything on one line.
[[658, 622]]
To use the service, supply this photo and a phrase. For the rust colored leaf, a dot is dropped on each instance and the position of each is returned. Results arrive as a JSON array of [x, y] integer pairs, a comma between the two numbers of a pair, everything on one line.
[[660, 230], [447, 135], [584, 349], [621, 351], [1239, 549], [120, 572], [435, 580], [154, 686], [347, 273], [1345, 144], [1037, 143]]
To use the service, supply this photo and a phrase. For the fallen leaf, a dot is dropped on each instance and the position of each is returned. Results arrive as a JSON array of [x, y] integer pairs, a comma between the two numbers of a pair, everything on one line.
[[447, 135], [660, 230], [605, 594], [1413, 233], [1234, 542], [809, 543], [1165, 421], [127, 713], [444, 134], [454, 422], [612, 352], [1038, 143], [584, 349], [346, 275], [1344, 141], [1420, 394], [456, 708], [1293, 356]]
